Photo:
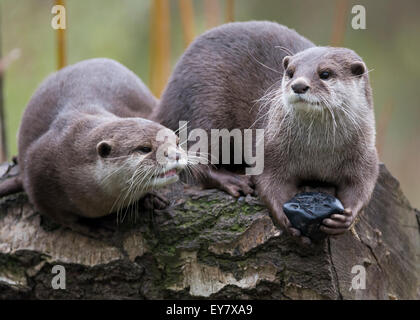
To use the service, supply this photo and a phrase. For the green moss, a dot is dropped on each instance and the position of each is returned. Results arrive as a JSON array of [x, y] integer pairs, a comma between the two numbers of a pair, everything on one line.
[[195, 225], [12, 269], [250, 210], [238, 228]]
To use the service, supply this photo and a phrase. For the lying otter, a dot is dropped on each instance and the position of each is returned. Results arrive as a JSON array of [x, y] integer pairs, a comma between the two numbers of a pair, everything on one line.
[[85, 151]]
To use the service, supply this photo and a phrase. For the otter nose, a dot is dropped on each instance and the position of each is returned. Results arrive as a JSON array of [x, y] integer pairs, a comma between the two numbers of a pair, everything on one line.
[[300, 87]]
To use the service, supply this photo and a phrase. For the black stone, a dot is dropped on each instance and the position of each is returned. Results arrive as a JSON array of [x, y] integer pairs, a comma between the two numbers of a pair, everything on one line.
[[306, 211]]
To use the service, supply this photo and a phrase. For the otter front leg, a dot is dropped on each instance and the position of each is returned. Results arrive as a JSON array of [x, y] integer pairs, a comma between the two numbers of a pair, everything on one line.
[[232, 183], [275, 194], [353, 199], [153, 200]]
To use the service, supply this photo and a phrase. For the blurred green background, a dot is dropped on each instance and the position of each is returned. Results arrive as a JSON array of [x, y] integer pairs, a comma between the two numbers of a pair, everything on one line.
[[119, 29]]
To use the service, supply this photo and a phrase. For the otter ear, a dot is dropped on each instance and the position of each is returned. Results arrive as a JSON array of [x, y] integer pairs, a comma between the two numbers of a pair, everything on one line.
[[358, 68], [286, 60], [104, 148]]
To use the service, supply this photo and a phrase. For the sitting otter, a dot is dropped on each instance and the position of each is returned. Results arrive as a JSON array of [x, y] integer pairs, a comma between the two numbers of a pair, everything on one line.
[[314, 104]]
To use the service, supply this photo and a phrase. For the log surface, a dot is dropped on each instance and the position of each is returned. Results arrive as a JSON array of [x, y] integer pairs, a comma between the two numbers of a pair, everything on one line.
[[209, 245]]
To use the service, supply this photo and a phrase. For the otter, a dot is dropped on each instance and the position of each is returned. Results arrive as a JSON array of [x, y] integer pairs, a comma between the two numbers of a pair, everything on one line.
[[84, 148], [314, 103]]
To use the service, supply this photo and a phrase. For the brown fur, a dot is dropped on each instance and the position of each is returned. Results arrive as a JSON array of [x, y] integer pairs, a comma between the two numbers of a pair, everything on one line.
[[80, 141], [233, 77]]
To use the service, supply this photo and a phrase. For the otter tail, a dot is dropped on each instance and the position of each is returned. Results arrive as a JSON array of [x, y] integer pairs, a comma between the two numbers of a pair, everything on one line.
[[11, 186]]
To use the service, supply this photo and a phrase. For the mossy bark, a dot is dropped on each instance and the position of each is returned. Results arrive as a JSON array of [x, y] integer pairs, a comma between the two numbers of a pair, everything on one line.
[[210, 245]]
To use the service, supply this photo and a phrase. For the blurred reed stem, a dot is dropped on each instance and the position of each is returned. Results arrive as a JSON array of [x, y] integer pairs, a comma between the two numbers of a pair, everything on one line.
[[230, 10], [159, 46], [340, 22], [187, 19], [61, 41], [212, 13]]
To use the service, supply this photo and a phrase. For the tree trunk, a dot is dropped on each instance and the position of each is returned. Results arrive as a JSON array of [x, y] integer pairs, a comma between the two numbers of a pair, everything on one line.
[[210, 245]]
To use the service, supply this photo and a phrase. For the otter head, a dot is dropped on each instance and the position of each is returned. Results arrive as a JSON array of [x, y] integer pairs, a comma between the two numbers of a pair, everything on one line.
[[134, 156], [326, 79]]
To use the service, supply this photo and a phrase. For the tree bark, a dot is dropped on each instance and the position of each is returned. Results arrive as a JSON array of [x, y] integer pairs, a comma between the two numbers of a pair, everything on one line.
[[210, 245]]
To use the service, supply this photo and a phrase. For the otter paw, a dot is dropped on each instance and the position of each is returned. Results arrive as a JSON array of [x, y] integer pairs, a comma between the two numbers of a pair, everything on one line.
[[236, 185], [295, 233], [338, 223], [153, 201], [299, 237]]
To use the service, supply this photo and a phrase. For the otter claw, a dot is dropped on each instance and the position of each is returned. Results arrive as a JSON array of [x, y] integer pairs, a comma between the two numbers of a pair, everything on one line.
[[155, 201], [235, 185], [297, 234], [338, 223]]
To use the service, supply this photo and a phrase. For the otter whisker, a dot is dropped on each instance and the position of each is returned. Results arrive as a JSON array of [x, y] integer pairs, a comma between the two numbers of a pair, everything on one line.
[[274, 70], [277, 116], [181, 127], [272, 100], [310, 129], [130, 193], [106, 181], [114, 171], [268, 93], [188, 170], [133, 201], [358, 76], [196, 172], [354, 119], [197, 159], [140, 186], [287, 50], [334, 123], [127, 192]]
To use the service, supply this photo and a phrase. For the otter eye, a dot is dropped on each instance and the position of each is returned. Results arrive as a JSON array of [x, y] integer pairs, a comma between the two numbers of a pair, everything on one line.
[[143, 149], [290, 73], [324, 75]]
